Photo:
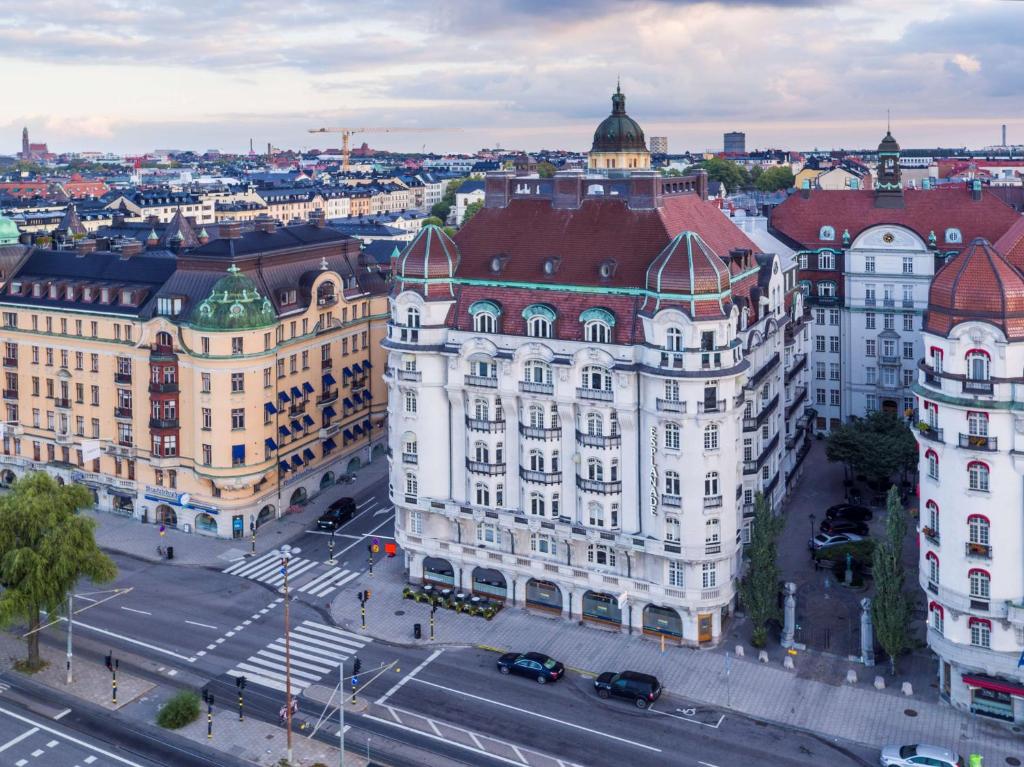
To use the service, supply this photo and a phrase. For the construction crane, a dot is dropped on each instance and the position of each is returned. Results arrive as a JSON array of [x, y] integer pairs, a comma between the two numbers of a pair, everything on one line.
[[346, 134]]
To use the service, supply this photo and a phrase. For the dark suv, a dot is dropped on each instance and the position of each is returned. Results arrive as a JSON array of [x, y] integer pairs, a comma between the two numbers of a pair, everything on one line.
[[337, 514], [849, 512], [642, 689]]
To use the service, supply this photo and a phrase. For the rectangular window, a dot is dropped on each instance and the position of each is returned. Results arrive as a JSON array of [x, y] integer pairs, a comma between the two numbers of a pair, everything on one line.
[[833, 371], [819, 343], [205, 385], [834, 397], [869, 347], [238, 382], [908, 321], [238, 418], [819, 316], [869, 320], [237, 345], [908, 264], [204, 344], [207, 455], [709, 575], [889, 321], [267, 378], [870, 375], [416, 522], [833, 316], [675, 574], [908, 350], [820, 396], [833, 344], [207, 419]]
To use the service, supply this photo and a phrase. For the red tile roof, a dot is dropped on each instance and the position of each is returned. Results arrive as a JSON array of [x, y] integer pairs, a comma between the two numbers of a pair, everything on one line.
[[1011, 244], [978, 284], [800, 217], [432, 254]]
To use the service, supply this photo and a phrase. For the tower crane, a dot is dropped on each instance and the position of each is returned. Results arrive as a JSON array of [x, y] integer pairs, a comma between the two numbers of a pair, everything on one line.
[[346, 134]]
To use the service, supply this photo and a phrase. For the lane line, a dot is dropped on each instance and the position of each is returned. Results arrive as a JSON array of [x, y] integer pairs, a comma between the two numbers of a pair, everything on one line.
[[371, 499], [133, 610], [385, 510], [538, 715], [398, 685], [62, 714], [70, 738], [87, 599], [707, 764], [204, 625], [518, 753], [367, 535], [18, 738], [179, 656]]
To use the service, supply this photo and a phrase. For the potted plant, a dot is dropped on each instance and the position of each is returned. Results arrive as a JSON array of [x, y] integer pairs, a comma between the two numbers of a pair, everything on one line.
[[924, 426], [407, 592]]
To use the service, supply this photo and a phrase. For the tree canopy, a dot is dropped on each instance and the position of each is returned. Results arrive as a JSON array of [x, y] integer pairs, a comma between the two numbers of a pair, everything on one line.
[[471, 210], [890, 610], [443, 208], [774, 179], [432, 220], [734, 176], [45, 548], [877, 446], [759, 589], [545, 169]]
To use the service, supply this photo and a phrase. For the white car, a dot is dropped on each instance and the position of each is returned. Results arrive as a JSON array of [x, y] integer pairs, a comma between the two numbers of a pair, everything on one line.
[[827, 540], [919, 755]]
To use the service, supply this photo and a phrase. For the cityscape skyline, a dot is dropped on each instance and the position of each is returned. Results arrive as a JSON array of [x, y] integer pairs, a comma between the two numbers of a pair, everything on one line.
[[945, 70]]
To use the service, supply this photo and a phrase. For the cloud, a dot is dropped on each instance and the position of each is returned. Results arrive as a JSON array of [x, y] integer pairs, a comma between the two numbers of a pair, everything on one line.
[[967, 64]]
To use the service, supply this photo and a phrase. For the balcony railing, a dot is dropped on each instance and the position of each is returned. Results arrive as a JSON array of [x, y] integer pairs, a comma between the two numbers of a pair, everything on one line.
[[908, 303], [533, 387], [799, 363], [597, 486], [485, 382], [10, 362], [598, 440], [712, 548], [930, 432], [671, 405], [672, 501], [327, 364], [889, 302], [751, 467], [539, 432], [410, 375], [540, 477], [482, 467], [410, 458], [62, 402], [601, 395], [711, 407], [712, 501], [122, 412], [483, 424], [932, 535], [765, 369], [799, 395], [889, 359], [978, 550], [755, 422], [163, 387], [122, 378], [163, 423], [977, 387], [978, 442], [11, 394], [327, 397]]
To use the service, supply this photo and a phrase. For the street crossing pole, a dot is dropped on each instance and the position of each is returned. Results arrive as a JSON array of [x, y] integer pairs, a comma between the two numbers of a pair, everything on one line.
[[341, 714], [330, 547], [240, 684], [286, 552], [112, 664], [71, 613]]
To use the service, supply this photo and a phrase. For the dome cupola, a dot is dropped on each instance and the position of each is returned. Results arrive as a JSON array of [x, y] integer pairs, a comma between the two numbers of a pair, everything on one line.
[[429, 261], [234, 303], [687, 271]]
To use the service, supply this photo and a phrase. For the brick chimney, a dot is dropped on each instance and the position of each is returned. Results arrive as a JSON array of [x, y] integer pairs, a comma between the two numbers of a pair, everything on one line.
[[498, 189], [318, 219], [131, 248], [265, 225], [230, 230], [85, 246], [568, 189]]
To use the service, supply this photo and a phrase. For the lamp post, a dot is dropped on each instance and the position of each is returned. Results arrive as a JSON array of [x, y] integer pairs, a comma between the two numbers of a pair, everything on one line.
[[330, 548], [811, 517], [286, 552]]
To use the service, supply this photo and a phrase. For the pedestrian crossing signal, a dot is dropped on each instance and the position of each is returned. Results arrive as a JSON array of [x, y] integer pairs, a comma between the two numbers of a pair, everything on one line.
[[109, 663], [240, 682], [356, 666]]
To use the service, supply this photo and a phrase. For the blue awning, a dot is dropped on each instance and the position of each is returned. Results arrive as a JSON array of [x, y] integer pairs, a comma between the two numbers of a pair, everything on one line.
[[348, 402], [366, 424], [308, 454], [296, 461], [366, 364], [296, 394], [329, 445], [357, 429], [329, 379], [347, 371], [348, 434], [283, 396], [296, 427], [307, 387], [307, 420], [356, 368], [283, 465], [329, 411], [357, 398], [283, 431], [269, 442], [269, 407], [367, 395], [237, 453]]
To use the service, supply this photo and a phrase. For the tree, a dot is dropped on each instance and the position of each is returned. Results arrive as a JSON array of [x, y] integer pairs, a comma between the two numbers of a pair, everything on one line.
[[890, 610], [45, 548], [545, 169], [877, 446], [471, 210], [443, 208], [760, 587], [432, 220], [774, 179], [729, 173]]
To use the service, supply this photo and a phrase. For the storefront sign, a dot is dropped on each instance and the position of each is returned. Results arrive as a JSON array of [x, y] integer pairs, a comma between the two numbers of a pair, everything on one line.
[[654, 470], [163, 495]]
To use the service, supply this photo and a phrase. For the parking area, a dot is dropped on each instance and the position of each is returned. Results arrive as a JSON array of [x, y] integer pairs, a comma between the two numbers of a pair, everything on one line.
[[30, 742]]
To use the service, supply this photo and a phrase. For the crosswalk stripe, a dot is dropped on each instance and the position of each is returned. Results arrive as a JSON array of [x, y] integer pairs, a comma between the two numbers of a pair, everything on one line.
[[297, 571], [336, 585], [338, 632], [312, 639], [332, 660], [264, 569], [303, 643], [280, 677], [280, 665], [295, 568], [247, 565], [301, 663], [259, 679], [323, 579]]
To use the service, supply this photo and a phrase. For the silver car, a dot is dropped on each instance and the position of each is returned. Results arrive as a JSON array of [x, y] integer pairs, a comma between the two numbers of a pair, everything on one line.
[[827, 540], [919, 755]]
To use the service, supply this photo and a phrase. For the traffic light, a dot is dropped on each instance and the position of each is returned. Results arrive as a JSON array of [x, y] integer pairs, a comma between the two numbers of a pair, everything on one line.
[[359, 596], [356, 665], [369, 547], [109, 661], [206, 695], [366, 595], [240, 682]]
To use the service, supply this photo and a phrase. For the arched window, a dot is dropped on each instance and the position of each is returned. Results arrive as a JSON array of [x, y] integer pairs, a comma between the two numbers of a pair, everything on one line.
[[711, 484], [711, 436], [536, 460], [483, 494], [482, 409], [325, 293], [937, 616], [672, 484], [597, 332], [595, 469], [411, 485], [485, 323], [826, 289], [981, 632], [977, 365], [163, 338], [537, 504], [536, 416], [932, 521], [412, 317], [543, 544], [602, 556], [953, 235], [481, 452], [595, 424], [595, 514], [978, 530], [932, 458], [674, 340], [536, 371], [540, 321], [827, 233], [672, 529], [672, 436], [933, 569], [597, 378], [977, 476], [410, 402], [980, 584], [712, 531], [483, 367]]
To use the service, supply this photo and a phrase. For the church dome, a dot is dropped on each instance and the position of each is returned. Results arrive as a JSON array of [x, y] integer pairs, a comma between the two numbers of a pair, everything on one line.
[[9, 233], [619, 132], [234, 303], [888, 144], [432, 256]]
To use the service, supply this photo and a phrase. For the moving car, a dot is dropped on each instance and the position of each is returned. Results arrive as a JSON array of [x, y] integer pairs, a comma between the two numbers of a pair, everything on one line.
[[337, 514], [835, 526], [534, 665], [849, 511], [827, 540], [919, 754], [642, 689]]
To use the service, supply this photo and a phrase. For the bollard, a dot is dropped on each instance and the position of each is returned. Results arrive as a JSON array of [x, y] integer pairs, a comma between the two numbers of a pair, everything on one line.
[[907, 689], [879, 683], [762, 657], [851, 677], [787, 662], [740, 651]]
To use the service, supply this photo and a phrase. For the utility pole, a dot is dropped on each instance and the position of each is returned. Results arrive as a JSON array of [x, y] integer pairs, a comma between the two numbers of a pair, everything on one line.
[[71, 623], [240, 684], [364, 597], [286, 552], [112, 665], [341, 713]]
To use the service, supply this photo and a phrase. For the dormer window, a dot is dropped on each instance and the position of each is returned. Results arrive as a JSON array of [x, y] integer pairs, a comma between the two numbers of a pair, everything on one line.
[[485, 316], [597, 325], [37, 290], [105, 295], [127, 297], [53, 291], [288, 297], [540, 321], [69, 293], [168, 305], [607, 269], [87, 294], [827, 233], [16, 288], [953, 236]]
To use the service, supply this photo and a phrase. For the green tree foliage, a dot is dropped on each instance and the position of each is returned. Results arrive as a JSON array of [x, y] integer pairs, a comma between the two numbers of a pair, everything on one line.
[[877, 446], [545, 169], [179, 710], [734, 176], [45, 548], [432, 220], [774, 179], [443, 208], [890, 610], [471, 210], [760, 587]]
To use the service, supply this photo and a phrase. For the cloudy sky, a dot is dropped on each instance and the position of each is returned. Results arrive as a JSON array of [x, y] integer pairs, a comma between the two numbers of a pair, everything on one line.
[[134, 75]]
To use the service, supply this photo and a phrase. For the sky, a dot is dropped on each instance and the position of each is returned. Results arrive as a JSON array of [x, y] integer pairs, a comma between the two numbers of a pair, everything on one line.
[[136, 75]]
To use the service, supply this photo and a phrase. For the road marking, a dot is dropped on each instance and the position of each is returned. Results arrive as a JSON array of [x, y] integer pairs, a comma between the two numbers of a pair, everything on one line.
[[133, 610], [324, 584], [385, 510], [518, 753], [476, 740], [201, 653], [71, 739], [138, 642], [371, 499], [19, 738], [688, 717], [539, 716], [52, 743], [211, 646], [62, 714], [203, 625], [707, 764], [230, 634], [368, 535], [87, 599], [398, 685]]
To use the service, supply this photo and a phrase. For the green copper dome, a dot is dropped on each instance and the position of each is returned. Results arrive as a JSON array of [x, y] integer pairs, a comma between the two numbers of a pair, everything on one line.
[[9, 233], [234, 304], [619, 132]]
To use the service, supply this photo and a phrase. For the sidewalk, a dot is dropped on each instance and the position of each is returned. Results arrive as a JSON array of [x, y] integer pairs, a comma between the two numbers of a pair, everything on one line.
[[126, 535], [826, 706]]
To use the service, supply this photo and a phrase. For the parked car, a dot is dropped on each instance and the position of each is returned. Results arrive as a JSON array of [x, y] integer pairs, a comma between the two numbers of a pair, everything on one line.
[[849, 511], [534, 665], [835, 526], [827, 540], [642, 689], [919, 754], [337, 514]]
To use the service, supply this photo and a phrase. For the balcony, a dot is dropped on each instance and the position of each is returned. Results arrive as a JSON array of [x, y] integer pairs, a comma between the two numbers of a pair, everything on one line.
[[410, 458], [889, 359], [712, 548], [978, 550], [533, 387], [485, 382], [799, 363], [930, 432], [889, 302], [826, 300], [977, 387], [122, 378], [540, 477], [122, 412], [672, 360], [799, 395], [62, 402], [598, 440], [755, 422], [597, 486], [752, 467], [538, 432], [483, 424], [979, 442], [870, 301], [712, 501], [482, 467], [414, 376], [931, 535], [164, 387], [10, 362], [671, 405], [600, 395], [327, 397], [161, 351], [908, 303], [163, 423], [672, 501], [327, 364], [705, 406], [766, 368], [11, 394]]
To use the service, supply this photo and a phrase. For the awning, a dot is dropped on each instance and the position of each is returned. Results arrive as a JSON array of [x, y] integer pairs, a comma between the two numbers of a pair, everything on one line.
[[296, 460], [366, 364], [283, 396], [367, 395], [329, 445], [356, 369], [348, 402], [348, 434], [993, 683], [329, 379], [283, 465], [357, 398], [329, 411], [270, 444], [296, 427], [283, 430], [238, 453], [347, 371], [308, 454], [357, 429], [307, 387], [269, 407], [307, 420], [203, 507], [121, 493], [366, 424], [296, 394]]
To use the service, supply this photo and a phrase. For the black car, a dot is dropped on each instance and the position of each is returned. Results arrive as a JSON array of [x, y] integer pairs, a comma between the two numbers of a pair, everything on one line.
[[849, 512], [834, 526], [642, 689], [337, 514], [533, 665]]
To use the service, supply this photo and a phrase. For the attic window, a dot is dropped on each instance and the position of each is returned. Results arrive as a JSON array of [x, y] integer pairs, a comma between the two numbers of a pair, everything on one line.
[[551, 264], [288, 296], [69, 293], [87, 294], [16, 288], [37, 289], [105, 295], [53, 291], [498, 263], [953, 235], [827, 233], [168, 305], [127, 297]]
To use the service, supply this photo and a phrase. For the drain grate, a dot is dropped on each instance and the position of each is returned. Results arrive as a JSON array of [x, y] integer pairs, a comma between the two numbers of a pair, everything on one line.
[[1013, 761], [909, 712], [399, 612]]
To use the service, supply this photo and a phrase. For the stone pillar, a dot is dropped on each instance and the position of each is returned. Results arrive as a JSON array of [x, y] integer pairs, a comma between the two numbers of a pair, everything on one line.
[[789, 615], [459, 437], [513, 460], [568, 450], [867, 634]]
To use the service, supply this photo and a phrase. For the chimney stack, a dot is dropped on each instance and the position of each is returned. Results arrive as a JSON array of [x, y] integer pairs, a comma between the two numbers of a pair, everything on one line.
[[230, 230], [1004, 134], [318, 219], [131, 248], [266, 225], [117, 219], [85, 246]]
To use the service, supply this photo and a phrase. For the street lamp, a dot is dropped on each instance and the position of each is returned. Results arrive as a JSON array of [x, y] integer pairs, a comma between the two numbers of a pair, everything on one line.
[[812, 518], [330, 547], [286, 552]]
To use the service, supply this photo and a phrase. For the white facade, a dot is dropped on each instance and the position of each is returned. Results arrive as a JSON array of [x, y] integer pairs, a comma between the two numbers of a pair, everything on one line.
[[462, 201]]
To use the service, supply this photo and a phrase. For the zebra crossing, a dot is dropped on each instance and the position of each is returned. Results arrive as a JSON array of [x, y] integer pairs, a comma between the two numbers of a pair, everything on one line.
[[315, 650], [267, 569]]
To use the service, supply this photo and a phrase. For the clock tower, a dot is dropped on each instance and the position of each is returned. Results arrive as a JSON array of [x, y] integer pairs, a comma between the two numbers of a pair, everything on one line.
[[888, 184]]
